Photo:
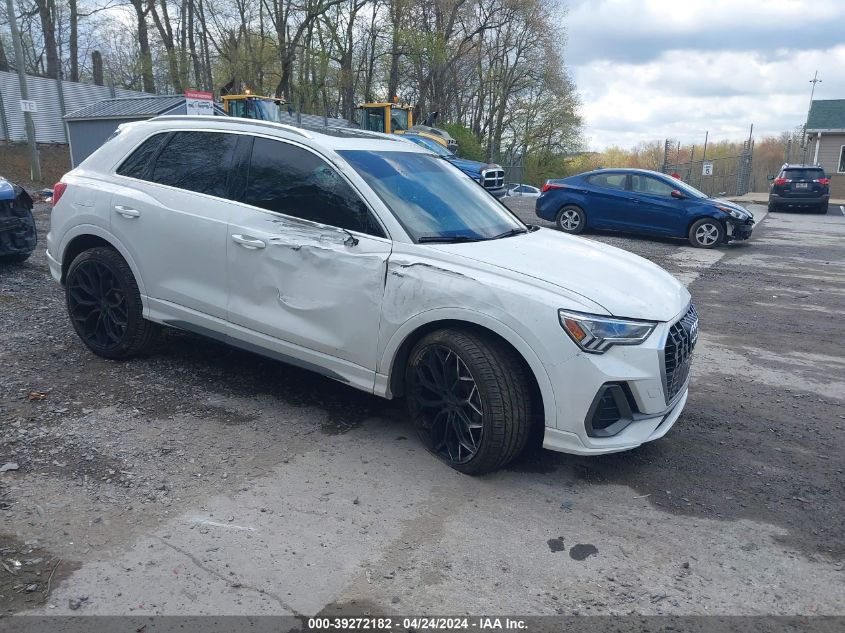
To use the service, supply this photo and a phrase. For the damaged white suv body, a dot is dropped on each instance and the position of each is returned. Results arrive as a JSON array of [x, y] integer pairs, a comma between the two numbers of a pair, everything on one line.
[[379, 264]]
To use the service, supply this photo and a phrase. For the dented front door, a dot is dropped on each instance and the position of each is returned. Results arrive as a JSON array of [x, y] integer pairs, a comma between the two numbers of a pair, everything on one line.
[[316, 287]]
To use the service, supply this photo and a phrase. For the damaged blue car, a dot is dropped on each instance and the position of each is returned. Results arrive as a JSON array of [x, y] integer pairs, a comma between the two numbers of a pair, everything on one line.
[[18, 235]]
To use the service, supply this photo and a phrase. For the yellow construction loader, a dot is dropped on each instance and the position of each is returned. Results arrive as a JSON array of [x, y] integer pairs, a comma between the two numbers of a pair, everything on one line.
[[250, 106], [396, 118]]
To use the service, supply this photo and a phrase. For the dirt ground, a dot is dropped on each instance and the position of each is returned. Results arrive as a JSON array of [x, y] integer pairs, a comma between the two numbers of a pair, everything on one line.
[[205, 480]]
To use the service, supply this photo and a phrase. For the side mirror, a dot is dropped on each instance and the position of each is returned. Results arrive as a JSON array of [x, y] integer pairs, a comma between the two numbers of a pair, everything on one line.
[[678, 195]]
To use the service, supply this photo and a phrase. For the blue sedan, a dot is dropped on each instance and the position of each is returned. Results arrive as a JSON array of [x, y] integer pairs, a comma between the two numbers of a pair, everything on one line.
[[642, 201]]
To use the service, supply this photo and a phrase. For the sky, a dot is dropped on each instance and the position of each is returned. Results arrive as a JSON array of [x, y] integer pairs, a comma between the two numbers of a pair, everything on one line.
[[656, 69]]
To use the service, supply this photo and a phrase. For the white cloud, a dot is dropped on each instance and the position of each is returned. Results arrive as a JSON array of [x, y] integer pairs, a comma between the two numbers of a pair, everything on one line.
[[652, 69]]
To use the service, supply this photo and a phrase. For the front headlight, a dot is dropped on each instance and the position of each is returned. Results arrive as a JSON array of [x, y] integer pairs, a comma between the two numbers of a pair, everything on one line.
[[596, 334], [731, 212]]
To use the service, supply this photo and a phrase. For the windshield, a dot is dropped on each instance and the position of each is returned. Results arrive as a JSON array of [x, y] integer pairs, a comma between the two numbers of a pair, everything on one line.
[[433, 146], [267, 110], [398, 119], [689, 190], [433, 200]]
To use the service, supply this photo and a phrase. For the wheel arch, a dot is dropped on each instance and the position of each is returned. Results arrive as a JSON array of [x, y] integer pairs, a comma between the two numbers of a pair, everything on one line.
[[85, 237], [570, 203], [400, 345], [705, 216], [577, 205]]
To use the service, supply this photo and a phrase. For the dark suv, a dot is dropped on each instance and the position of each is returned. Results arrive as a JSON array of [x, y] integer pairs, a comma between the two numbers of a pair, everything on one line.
[[800, 187]]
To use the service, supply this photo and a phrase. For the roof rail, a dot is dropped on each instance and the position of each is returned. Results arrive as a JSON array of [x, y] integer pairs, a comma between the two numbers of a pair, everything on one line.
[[350, 132], [221, 119]]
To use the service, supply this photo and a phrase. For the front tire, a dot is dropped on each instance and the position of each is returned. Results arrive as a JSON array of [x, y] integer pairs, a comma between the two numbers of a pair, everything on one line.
[[706, 233], [571, 219], [469, 399], [105, 306]]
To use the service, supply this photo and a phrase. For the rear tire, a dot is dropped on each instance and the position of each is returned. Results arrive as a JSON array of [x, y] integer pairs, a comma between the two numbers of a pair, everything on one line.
[[823, 208], [571, 219], [105, 306], [469, 399], [706, 233], [772, 208]]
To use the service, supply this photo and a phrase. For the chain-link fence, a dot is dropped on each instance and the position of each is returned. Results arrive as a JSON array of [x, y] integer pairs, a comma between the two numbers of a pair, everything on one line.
[[724, 176], [514, 174]]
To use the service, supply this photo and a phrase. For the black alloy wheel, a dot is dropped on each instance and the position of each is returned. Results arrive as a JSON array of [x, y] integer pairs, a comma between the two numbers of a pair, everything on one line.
[[105, 306], [469, 397], [452, 414]]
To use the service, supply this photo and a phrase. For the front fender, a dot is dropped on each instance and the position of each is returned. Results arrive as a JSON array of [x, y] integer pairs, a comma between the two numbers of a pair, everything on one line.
[[452, 314]]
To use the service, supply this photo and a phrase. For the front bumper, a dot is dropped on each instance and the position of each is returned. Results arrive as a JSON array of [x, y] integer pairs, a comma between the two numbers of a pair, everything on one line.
[[651, 403], [18, 235], [641, 431], [737, 230]]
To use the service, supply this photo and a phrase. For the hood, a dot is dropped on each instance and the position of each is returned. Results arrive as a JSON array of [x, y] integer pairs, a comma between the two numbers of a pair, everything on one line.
[[466, 165], [624, 284], [722, 202], [470, 166]]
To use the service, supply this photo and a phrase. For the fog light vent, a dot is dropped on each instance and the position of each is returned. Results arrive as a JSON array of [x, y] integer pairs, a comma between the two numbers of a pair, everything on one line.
[[607, 412], [612, 410]]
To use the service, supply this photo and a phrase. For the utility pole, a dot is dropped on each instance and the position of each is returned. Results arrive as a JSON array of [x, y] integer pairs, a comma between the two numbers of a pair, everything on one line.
[[815, 80], [34, 165]]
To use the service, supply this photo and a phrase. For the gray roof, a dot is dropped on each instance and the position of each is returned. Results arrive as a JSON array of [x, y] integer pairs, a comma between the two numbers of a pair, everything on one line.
[[826, 114], [157, 105], [128, 108], [312, 120]]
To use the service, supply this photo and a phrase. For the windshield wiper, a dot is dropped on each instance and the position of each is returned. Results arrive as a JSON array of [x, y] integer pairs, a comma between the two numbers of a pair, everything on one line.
[[446, 238], [515, 231]]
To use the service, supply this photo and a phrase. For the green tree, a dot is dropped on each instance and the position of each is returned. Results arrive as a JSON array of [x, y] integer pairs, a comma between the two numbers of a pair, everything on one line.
[[468, 144]]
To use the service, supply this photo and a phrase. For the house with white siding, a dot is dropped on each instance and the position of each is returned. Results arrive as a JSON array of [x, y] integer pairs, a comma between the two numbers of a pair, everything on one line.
[[826, 138]]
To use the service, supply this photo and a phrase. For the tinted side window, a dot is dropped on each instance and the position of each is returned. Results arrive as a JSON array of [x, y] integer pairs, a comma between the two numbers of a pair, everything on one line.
[[651, 186], [288, 179], [609, 181], [138, 163], [196, 161]]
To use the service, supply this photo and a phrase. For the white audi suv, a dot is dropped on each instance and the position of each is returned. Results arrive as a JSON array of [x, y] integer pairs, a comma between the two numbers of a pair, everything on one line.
[[381, 265]]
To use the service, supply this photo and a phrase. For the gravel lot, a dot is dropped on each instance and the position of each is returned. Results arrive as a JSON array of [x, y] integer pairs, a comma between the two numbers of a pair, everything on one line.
[[202, 479]]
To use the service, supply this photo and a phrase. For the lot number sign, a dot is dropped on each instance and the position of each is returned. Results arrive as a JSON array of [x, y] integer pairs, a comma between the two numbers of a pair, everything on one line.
[[707, 169]]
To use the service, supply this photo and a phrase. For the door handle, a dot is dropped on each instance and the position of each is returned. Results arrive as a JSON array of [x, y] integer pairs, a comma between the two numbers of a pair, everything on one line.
[[248, 242], [127, 212]]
